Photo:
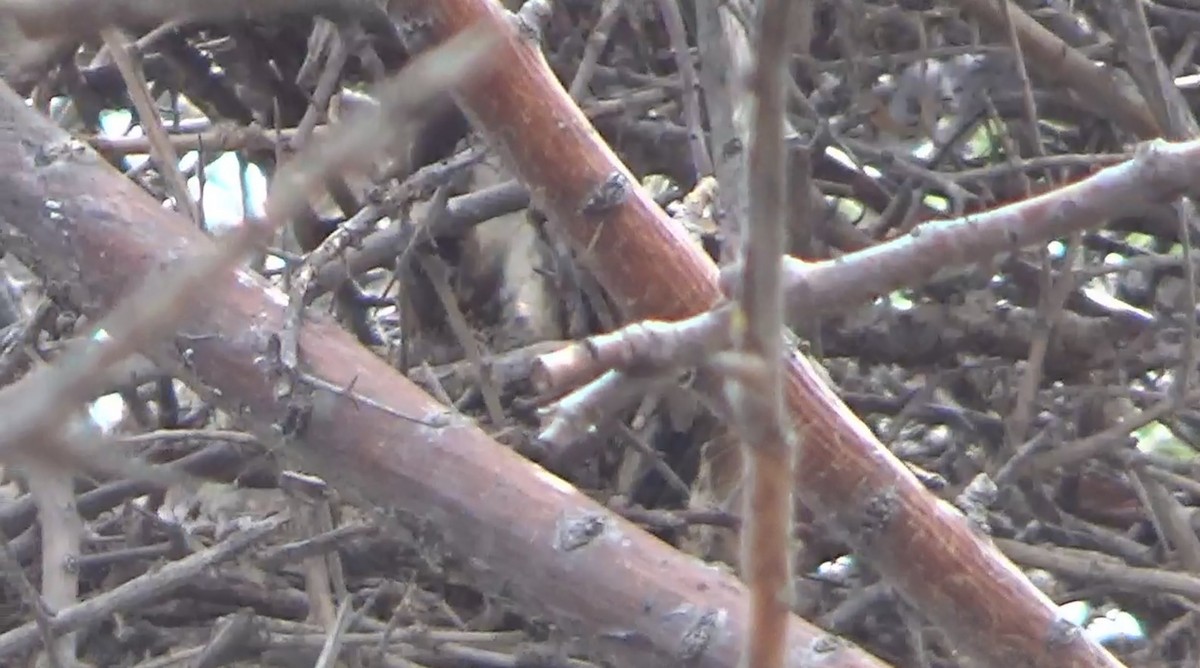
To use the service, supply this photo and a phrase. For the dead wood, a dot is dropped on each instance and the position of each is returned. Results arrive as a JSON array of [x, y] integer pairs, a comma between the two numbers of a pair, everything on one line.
[[522, 532], [927, 550], [1099, 333]]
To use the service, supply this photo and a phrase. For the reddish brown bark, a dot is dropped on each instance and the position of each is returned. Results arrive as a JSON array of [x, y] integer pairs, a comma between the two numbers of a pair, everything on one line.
[[523, 533], [952, 574]]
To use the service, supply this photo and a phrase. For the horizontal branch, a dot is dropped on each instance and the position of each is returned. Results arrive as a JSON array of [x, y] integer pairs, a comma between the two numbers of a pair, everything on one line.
[[1158, 172]]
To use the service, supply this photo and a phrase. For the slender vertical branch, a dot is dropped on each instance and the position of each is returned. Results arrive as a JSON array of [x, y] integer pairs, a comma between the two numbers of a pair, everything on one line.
[[677, 31], [757, 391]]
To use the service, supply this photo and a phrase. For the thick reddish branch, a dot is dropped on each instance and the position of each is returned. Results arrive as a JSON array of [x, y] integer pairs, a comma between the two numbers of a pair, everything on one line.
[[530, 536], [952, 574]]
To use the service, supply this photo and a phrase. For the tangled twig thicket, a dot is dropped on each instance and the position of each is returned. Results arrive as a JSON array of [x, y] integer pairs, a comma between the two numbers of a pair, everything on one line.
[[958, 391]]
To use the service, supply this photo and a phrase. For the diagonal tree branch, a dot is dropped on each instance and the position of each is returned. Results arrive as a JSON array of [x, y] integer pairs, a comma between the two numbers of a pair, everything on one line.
[[520, 531], [925, 548], [1159, 172], [1054, 59]]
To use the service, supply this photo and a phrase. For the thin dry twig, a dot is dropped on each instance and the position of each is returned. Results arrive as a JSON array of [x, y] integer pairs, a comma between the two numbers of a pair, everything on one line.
[[490, 505], [53, 490], [217, 138], [673, 20], [1060, 62], [439, 276], [858, 460], [1155, 82], [161, 148], [724, 48], [429, 75], [575, 418], [651, 269], [934, 249], [37, 401], [140, 590], [1100, 567], [1051, 309], [610, 13], [337, 632], [11, 567]]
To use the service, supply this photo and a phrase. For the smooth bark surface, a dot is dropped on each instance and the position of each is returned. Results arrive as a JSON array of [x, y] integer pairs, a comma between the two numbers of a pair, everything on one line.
[[523, 533]]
